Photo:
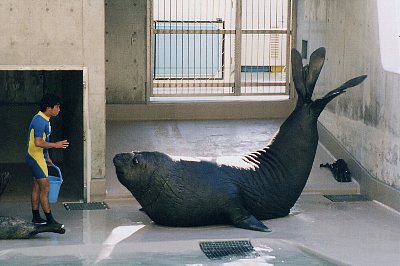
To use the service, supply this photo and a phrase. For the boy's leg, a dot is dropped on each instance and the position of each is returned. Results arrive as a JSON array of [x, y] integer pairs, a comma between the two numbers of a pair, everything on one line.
[[40, 188], [44, 187], [35, 197]]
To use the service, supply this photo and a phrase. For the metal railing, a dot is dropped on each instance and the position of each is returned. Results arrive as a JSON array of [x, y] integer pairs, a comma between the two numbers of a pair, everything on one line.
[[219, 47]]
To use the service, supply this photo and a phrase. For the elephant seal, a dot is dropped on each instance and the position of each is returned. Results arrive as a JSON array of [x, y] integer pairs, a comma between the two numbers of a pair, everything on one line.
[[192, 193], [14, 228]]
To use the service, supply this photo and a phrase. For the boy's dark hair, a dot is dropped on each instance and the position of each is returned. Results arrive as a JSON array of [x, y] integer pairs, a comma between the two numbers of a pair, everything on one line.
[[49, 100]]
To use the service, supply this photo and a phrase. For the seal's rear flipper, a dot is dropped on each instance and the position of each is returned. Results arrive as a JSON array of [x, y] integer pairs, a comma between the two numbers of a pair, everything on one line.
[[251, 223], [52, 228], [320, 104], [305, 78]]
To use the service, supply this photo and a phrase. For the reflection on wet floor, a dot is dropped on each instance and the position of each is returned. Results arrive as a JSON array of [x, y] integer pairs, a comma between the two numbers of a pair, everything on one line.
[[266, 252], [117, 235]]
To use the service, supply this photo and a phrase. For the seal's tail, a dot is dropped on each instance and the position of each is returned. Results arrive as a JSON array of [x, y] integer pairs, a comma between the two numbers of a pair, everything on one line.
[[305, 78], [320, 104], [52, 228]]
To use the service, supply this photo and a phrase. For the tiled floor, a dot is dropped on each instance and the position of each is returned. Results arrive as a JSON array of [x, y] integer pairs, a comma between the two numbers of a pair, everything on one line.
[[352, 233]]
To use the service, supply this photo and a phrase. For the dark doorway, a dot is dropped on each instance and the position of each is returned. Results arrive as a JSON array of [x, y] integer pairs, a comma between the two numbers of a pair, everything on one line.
[[20, 95]]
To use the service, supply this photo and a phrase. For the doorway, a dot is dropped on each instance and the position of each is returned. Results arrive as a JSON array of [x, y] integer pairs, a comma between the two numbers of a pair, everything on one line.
[[20, 95]]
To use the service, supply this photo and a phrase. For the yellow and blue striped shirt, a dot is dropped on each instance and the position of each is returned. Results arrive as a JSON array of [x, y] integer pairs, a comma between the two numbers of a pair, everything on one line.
[[39, 128]]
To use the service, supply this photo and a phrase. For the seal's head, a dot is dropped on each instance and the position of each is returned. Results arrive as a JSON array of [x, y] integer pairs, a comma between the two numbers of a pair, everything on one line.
[[131, 167], [140, 172]]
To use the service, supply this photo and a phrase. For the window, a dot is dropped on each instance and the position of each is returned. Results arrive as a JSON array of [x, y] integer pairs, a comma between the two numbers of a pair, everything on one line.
[[187, 55], [389, 34], [219, 47]]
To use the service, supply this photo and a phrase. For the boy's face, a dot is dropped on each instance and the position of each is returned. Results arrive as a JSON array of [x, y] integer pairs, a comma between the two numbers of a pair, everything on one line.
[[53, 111]]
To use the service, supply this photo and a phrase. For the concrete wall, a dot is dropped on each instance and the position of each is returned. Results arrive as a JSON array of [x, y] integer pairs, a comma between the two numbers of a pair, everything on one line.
[[365, 120], [126, 52], [126, 23], [57, 34]]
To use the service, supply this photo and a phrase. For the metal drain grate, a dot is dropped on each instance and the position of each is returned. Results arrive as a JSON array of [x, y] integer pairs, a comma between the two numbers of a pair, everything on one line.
[[72, 206], [346, 198], [221, 249]]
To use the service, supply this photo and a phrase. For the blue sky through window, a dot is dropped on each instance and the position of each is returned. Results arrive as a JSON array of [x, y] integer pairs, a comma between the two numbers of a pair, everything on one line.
[[187, 55]]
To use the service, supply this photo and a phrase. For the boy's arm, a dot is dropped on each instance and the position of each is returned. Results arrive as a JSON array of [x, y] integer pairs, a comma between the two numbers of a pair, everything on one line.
[[39, 142], [47, 156]]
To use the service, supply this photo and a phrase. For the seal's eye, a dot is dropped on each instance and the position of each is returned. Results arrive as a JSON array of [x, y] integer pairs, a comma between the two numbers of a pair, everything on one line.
[[135, 160]]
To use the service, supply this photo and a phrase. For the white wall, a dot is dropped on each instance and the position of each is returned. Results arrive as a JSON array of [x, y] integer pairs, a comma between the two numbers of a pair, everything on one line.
[[366, 119]]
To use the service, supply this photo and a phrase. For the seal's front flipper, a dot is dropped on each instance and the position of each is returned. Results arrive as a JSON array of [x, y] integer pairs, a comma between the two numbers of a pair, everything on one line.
[[251, 223], [242, 218]]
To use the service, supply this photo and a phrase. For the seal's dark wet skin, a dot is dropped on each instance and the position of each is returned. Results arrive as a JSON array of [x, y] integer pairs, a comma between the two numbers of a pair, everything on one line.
[[177, 192], [121, 158], [15, 228]]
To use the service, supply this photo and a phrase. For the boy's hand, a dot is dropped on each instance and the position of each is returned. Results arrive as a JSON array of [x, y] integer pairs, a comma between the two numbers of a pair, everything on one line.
[[63, 144]]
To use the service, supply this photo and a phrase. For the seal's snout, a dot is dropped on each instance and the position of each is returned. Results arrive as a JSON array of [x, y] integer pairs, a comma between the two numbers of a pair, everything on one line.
[[122, 158]]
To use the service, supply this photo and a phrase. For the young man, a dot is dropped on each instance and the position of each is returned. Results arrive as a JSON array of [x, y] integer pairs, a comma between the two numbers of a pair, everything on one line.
[[37, 157]]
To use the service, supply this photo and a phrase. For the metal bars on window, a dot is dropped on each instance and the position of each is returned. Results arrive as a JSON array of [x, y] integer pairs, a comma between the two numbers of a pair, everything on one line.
[[219, 47]]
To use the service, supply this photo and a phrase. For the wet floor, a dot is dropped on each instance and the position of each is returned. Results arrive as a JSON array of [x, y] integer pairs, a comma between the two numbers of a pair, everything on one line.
[[358, 233], [353, 233]]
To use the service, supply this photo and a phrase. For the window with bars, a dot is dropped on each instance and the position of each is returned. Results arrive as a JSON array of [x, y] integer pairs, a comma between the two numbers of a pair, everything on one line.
[[188, 55], [220, 47]]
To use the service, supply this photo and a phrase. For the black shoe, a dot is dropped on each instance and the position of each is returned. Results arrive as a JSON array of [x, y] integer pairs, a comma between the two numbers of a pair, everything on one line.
[[38, 221]]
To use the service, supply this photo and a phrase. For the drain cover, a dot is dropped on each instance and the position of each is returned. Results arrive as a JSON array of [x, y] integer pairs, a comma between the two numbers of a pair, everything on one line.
[[346, 198], [71, 206], [220, 249]]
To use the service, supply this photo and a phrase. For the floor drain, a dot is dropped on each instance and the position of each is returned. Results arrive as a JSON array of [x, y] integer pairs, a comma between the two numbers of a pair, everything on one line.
[[221, 249], [346, 198], [71, 206]]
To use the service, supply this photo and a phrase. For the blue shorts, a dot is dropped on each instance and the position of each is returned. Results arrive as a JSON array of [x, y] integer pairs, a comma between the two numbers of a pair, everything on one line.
[[38, 167]]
